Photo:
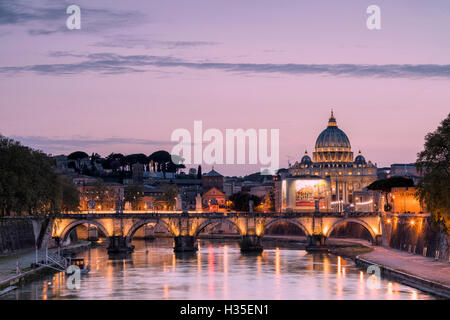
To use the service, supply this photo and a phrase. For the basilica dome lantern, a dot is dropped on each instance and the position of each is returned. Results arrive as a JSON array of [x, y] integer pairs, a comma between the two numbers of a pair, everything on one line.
[[306, 160]]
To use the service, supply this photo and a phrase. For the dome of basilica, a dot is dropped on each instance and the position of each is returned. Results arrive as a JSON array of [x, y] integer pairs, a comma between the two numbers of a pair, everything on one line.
[[333, 145], [333, 137]]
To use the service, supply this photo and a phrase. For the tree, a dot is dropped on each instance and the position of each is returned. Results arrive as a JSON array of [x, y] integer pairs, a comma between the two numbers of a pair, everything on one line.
[[77, 155], [115, 161], [70, 195], [134, 194], [161, 161], [199, 172], [241, 201], [433, 163], [95, 158], [28, 182]]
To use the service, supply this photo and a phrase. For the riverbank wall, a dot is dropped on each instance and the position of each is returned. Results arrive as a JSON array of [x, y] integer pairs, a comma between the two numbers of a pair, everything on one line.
[[415, 233], [16, 234], [30, 274], [411, 280]]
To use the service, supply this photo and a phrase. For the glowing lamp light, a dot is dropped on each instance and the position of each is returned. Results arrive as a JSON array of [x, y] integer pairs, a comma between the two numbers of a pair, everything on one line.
[[258, 230], [411, 222], [388, 221]]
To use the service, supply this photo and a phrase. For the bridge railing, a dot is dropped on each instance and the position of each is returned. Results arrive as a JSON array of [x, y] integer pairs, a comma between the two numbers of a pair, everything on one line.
[[150, 214]]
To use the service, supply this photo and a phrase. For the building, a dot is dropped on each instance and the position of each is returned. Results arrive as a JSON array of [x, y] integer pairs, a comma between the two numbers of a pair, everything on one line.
[[138, 172], [404, 170], [404, 200], [333, 159], [212, 179], [189, 196], [231, 187], [96, 195], [213, 199], [262, 191], [305, 193], [150, 199]]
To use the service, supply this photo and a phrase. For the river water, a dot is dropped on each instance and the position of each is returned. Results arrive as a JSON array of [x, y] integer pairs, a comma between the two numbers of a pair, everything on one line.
[[217, 271]]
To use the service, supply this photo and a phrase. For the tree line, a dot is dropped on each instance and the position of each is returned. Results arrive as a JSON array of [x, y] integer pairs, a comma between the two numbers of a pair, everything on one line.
[[29, 183], [159, 161], [434, 165]]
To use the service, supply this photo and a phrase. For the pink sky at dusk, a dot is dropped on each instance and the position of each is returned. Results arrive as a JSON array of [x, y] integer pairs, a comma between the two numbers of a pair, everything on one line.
[[137, 70]]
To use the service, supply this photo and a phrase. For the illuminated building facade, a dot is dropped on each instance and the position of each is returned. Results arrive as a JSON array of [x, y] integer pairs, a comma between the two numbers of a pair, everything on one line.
[[213, 199], [404, 200], [304, 193], [333, 159]]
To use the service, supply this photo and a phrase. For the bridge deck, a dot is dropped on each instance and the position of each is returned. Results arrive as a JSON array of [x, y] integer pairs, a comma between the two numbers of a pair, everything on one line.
[[148, 215]]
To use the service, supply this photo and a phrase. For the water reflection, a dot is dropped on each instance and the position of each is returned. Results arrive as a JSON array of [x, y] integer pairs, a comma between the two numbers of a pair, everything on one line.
[[217, 271]]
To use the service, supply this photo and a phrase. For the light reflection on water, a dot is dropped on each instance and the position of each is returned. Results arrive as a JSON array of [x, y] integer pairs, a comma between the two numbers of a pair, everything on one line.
[[217, 271]]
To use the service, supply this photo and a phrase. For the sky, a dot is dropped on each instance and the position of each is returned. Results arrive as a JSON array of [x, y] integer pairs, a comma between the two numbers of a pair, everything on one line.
[[139, 69]]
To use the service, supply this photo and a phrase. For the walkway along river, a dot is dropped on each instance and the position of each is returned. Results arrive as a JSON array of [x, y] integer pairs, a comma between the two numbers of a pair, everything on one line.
[[217, 271]]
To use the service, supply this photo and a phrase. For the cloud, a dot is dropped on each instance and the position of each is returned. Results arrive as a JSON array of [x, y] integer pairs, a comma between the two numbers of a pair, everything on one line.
[[60, 144], [127, 41], [17, 12], [110, 63], [38, 18]]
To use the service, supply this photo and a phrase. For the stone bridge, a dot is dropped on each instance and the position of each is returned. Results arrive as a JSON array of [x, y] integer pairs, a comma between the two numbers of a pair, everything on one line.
[[185, 227]]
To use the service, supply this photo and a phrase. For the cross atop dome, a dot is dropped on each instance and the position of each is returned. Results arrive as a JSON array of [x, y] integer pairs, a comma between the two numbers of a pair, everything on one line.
[[332, 121]]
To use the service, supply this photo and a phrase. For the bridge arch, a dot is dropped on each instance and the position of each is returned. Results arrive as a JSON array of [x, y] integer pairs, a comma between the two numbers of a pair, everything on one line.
[[285, 220], [72, 225], [209, 222], [139, 224], [361, 222]]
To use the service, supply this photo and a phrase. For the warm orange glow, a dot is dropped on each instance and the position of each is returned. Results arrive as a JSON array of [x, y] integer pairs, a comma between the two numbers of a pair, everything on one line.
[[277, 261], [388, 221], [339, 267], [412, 222], [166, 292], [225, 259], [406, 200], [259, 229]]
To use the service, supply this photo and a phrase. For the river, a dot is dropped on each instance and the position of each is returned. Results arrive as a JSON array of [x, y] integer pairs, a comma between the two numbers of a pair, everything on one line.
[[217, 271]]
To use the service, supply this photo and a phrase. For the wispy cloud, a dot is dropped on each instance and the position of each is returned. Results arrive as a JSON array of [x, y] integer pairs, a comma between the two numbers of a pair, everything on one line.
[[38, 17], [62, 144], [110, 63], [146, 42]]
